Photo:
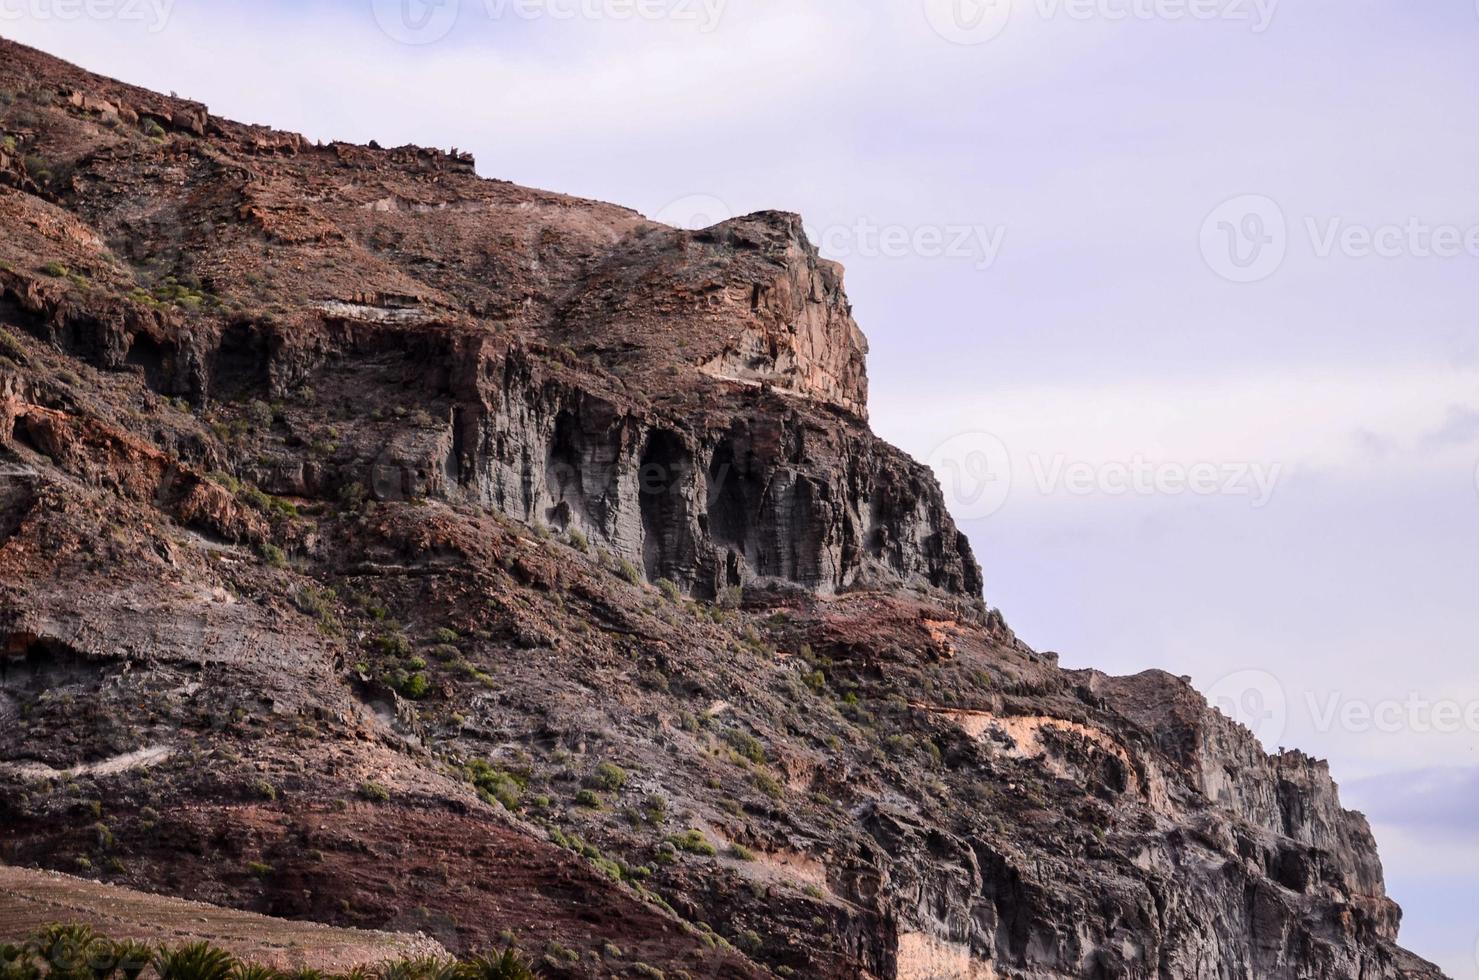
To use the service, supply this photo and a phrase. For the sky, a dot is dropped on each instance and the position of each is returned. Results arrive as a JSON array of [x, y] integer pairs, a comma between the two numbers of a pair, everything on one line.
[[1179, 297]]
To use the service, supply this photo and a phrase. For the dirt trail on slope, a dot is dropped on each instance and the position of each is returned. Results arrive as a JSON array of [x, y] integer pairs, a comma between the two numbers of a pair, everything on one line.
[[29, 899]]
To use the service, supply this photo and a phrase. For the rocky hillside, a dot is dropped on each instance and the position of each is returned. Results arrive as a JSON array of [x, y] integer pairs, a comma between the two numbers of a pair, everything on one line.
[[398, 549]]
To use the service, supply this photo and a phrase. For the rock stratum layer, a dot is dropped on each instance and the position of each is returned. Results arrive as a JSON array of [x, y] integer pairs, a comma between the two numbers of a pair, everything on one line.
[[397, 549]]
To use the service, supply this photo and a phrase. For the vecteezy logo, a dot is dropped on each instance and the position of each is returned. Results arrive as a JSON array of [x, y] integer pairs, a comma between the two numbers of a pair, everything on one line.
[[970, 21], [1254, 699], [975, 471], [694, 212], [416, 21], [1245, 239]]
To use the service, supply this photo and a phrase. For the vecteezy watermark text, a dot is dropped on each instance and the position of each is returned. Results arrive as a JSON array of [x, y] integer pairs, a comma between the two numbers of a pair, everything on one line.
[[1260, 701], [427, 21], [862, 238], [979, 21], [153, 14], [1414, 713], [977, 472], [1247, 238], [978, 244], [1145, 477]]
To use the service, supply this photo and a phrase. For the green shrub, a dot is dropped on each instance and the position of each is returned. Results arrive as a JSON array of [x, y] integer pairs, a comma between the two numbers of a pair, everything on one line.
[[741, 853], [316, 602], [769, 785], [495, 785], [255, 971], [589, 799], [611, 777], [11, 348], [69, 950], [628, 571], [197, 961], [131, 958], [352, 497], [73, 952], [745, 744], [577, 540], [259, 413], [443, 635], [395, 645], [171, 292], [508, 965], [415, 687], [670, 590], [694, 842], [374, 792]]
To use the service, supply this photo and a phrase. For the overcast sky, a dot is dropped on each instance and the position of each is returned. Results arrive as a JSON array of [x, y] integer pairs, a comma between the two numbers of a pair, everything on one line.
[[1183, 309]]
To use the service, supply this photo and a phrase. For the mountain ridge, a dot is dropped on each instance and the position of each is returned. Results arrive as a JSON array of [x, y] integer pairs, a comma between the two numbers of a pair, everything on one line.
[[478, 559]]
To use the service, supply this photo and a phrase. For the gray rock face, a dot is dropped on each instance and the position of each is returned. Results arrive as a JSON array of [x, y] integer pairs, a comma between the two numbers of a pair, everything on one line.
[[764, 501], [1245, 867]]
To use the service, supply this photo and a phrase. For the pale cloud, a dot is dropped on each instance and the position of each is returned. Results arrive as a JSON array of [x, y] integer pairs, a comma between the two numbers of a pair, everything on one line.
[[1322, 419]]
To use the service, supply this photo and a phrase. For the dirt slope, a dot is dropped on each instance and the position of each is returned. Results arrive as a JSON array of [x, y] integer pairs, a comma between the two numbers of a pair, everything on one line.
[[30, 899]]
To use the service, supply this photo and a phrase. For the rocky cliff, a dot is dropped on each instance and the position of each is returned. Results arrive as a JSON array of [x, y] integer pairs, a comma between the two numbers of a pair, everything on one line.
[[393, 548]]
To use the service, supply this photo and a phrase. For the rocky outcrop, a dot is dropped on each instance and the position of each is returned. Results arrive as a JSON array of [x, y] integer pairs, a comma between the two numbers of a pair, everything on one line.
[[799, 335], [765, 497], [1214, 897]]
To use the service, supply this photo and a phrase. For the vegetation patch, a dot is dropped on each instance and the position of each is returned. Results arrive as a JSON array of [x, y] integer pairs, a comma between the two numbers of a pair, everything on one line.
[[75, 952]]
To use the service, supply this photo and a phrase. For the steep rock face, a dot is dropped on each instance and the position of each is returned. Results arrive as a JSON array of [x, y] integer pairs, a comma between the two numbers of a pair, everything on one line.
[[286, 433], [765, 499], [802, 338]]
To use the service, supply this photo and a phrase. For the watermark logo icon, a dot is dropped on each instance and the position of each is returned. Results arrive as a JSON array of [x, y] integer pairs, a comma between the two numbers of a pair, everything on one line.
[[1255, 699], [416, 21], [1246, 238], [970, 21], [975, 472]]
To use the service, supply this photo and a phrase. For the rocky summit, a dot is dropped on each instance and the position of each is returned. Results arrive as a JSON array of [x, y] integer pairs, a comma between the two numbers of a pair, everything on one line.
[[390, 548]]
